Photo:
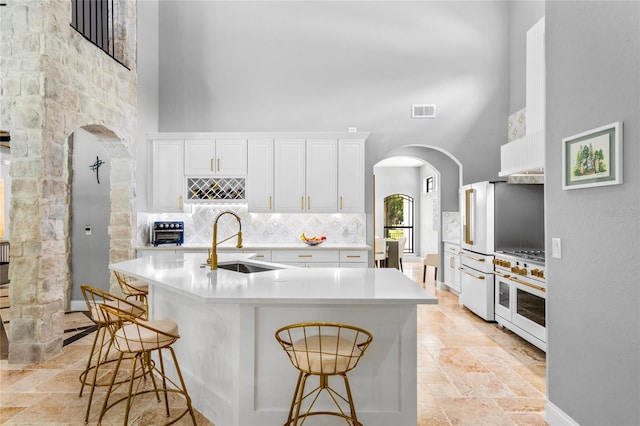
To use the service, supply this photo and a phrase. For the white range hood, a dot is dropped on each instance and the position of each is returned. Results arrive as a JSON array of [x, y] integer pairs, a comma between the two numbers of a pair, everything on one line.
[[526, 155]]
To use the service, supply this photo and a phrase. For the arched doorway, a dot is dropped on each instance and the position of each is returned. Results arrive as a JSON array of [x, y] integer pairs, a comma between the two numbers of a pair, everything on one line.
[[41, 218], [424, 161]]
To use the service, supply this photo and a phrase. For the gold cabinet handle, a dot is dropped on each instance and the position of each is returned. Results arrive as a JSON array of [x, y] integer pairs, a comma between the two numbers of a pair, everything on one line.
[[353, 257], [211, 166], [542, 289], [259, 256], [218, 165], [269, 202], [480, 277], [341, 202], [301, 203], [477, 259], [305, 255], [180, 202], [467, 210], [308, 203]]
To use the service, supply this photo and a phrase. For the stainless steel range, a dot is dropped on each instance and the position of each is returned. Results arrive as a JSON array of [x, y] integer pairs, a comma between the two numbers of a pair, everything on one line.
[[520, 294]]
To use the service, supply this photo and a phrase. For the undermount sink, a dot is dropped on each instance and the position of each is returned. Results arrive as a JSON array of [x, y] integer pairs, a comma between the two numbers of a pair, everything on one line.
[[247, 268]]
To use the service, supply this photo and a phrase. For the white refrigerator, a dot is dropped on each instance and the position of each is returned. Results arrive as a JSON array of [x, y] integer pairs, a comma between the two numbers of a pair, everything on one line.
[[476, 259], [495, 216]]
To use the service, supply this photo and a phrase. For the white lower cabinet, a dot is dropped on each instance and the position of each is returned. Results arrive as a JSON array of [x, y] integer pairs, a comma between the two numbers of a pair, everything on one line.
[[261, 255], [354, 258], [451, 266], [307, 258]]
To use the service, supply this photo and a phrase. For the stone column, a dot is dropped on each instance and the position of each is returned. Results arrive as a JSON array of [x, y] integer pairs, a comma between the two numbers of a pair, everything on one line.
[[54, 81]]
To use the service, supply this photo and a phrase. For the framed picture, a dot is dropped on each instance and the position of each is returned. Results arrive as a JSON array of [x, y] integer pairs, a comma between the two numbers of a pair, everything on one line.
[[593, 158]]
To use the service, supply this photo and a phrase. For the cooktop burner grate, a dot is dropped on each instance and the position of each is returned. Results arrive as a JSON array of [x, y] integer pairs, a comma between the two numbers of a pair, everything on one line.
[[533, 255]]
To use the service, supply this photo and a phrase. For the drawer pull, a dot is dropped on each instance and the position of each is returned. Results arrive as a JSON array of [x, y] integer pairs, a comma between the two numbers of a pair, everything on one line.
[[480, 277], [305, 255], [477, 259], [353, 256]]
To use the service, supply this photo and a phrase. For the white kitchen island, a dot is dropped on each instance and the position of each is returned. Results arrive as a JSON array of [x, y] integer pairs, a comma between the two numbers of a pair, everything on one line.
[[237, 373]]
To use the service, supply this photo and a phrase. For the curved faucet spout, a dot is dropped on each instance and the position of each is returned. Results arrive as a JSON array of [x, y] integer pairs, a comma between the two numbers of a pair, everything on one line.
[[214, 244]]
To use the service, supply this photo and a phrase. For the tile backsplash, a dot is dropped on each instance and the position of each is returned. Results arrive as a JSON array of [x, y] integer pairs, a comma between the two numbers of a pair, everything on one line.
[[258, 228]]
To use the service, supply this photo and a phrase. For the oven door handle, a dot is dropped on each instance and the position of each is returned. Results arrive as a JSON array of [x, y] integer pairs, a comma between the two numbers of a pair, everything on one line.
[[477, 259], [500, 274], [480, 277], [536, 287]]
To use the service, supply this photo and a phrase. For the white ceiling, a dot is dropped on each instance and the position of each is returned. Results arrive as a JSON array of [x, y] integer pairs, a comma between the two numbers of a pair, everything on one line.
[[400, 162]]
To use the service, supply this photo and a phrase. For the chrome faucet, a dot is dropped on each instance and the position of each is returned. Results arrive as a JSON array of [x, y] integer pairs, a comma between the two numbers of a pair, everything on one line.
[[213, 256]]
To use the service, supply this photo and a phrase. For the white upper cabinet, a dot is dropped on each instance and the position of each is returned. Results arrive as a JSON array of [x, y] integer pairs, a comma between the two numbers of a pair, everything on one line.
[[168, 175], [322, 175], [305, 175], [351, 176], [215, 157], [260, 175], [289, 179], [279, 172]]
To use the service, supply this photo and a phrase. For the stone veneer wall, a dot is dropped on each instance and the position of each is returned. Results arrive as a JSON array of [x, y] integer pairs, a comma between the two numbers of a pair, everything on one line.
[[53, 82]]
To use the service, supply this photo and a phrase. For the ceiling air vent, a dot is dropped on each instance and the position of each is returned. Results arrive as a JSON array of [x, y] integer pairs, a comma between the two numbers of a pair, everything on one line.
[[423, 111]]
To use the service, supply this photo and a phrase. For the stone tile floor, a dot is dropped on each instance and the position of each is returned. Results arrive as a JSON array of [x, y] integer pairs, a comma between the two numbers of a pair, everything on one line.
[[469, 373]]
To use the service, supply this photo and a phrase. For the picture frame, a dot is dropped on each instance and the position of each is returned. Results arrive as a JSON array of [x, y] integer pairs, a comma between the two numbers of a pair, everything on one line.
[[593, 158]]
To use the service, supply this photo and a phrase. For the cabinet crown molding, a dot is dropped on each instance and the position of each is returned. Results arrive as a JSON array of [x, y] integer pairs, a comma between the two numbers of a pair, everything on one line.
[[257, 135]]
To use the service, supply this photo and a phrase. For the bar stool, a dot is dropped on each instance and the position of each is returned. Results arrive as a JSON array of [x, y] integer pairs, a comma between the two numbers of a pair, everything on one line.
[[133, 288], [140, 338], [323, 349], [99, 355]]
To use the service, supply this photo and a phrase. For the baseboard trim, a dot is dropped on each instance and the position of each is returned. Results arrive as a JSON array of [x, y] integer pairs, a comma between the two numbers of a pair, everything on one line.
[[78, 305], [556, 417]]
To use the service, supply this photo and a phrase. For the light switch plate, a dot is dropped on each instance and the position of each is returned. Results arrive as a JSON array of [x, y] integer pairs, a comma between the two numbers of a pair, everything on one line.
[[556, 248]]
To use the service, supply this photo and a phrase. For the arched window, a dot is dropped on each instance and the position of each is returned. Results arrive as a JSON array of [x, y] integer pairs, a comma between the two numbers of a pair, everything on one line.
[[398, 219]]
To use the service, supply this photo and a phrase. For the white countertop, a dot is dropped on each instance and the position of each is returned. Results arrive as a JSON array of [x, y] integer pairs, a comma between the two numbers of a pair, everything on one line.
[[183, 273], [287, 246]]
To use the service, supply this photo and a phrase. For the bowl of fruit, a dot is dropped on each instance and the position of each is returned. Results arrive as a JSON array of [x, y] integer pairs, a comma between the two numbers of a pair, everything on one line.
[[313, 241]]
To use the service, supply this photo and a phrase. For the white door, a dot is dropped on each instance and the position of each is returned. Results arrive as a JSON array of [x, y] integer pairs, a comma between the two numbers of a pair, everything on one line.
[[351, 176], [260, 175], [289, 176], [322, 175], [168, 175]]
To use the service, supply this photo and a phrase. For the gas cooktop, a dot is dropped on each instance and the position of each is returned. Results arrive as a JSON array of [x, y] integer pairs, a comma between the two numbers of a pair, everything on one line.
[[531, 255]]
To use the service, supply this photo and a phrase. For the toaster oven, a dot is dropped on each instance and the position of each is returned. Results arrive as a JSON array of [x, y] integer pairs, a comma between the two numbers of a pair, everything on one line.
[[167, 233]]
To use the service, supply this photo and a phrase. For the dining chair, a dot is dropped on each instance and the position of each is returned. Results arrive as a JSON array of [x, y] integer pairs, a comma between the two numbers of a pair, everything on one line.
[[430, 260], [402, 241], [380, 252]]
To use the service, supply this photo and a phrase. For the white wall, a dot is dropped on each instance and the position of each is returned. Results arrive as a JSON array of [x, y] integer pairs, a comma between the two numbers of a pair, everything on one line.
[[90, 206], [430, 213], [273, 66], [593, 78]]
